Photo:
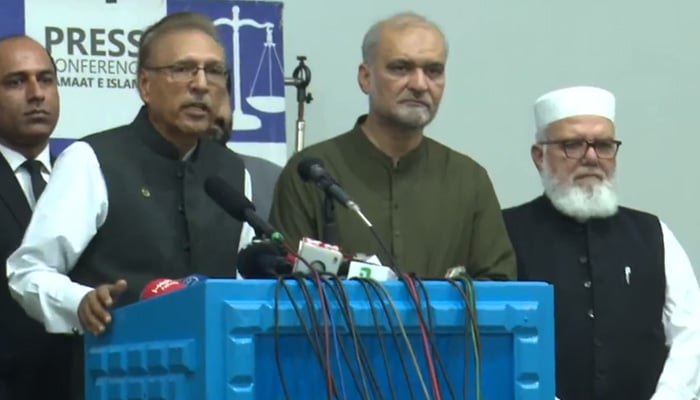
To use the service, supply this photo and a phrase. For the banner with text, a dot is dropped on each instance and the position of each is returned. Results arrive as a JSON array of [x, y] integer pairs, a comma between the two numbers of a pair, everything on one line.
[[94, 45]]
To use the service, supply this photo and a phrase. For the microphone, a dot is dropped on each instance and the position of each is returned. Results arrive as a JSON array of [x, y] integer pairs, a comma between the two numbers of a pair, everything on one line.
[[161, 286], [263, 259], [238, 206], [192, 280], [312, 170], [362, 269]]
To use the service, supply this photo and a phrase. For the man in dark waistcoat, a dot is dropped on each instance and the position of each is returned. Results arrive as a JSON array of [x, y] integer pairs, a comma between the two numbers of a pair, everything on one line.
[[626, 298], [127, 206]]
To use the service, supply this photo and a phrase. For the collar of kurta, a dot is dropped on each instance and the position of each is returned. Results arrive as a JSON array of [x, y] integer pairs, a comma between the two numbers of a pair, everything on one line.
[[362, 145], [155, 141]]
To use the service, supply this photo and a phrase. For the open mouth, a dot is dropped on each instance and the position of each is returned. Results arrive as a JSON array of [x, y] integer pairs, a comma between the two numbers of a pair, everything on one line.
[[196, 108]]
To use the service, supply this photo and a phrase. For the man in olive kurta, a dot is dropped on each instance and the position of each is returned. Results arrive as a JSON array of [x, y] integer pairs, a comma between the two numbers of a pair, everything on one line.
[[434, 207]]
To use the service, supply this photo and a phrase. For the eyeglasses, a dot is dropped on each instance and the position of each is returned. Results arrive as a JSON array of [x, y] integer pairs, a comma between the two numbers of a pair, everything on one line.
[[605, 149], [185, 72]]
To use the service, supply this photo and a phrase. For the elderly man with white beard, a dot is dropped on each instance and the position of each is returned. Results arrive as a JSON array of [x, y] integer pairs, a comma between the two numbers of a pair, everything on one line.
[[627, 303]]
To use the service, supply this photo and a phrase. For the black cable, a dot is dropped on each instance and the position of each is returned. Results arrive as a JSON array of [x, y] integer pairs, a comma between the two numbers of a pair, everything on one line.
[[379, 337], [433, 343], [394, 266], [363, 359], [466, 337], [424, 327], [278, 357], [343, 349], [361, 348], [301, 282], [373, 285], [309, 336], [340, 342]]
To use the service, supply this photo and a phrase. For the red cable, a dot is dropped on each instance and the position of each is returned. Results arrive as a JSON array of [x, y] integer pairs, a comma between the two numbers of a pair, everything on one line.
[[326, 333], [426, 346]]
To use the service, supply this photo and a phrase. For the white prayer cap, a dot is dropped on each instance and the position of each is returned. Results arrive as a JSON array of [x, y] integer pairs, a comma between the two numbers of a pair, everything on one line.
[[571, 102]]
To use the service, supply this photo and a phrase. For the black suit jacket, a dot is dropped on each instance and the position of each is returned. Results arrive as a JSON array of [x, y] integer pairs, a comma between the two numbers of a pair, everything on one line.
[[21, 338]]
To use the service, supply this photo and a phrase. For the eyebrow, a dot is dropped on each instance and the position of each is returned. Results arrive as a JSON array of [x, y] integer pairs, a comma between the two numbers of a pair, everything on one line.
[[189, 60], [29, 73]]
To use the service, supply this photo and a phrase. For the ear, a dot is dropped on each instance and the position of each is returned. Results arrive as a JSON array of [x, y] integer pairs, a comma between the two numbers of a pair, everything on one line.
[[144, 85], [537, 154], [363, 77]]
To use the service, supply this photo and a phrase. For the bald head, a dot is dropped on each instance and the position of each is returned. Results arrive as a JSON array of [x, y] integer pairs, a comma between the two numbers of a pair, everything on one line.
[[30, 42], [398, 22]]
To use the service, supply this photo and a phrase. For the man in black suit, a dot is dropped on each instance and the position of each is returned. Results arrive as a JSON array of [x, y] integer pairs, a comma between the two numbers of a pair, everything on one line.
[[263, 173], [33, 363]]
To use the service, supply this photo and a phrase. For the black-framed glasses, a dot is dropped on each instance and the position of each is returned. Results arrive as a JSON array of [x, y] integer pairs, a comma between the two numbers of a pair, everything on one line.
[[577, 148], [216, 74]]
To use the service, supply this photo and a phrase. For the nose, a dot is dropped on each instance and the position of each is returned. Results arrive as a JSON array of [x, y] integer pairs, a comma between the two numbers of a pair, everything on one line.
[[199, 81], [590, 156], [35, 91], [418, 82]]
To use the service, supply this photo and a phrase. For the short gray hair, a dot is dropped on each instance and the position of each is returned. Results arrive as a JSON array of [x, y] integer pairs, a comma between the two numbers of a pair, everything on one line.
[[371, 40], [180, 21]]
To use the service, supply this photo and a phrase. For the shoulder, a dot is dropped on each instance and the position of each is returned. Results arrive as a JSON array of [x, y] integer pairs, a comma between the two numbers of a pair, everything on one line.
[[327, 151], [260, 164], [215, 150], [639, 218], [326, 148], [454, 160], [107, 137], [522, 211]]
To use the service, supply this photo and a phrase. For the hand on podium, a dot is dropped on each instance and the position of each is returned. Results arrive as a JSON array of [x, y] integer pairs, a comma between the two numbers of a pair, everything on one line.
[[93, 309]]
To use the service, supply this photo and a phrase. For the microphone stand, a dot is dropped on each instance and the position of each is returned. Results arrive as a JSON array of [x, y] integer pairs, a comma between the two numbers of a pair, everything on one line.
[[301, 77], [330, 226]]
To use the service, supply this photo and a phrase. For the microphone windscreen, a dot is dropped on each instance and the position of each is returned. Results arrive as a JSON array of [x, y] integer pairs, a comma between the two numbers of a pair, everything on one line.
[[158, 287], [305, 168], [262, 260], [192, 279], [228, 198]]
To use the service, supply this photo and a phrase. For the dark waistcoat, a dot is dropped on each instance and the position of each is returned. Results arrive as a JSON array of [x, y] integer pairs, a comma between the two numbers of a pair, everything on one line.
[[609, 288], [160, 222]]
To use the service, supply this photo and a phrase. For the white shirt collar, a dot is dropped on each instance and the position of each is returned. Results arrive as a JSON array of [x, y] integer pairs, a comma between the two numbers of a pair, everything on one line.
[[15, 159]]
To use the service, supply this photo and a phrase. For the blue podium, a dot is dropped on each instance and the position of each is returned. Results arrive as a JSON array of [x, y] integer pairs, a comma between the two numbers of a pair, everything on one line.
[[224, 340]]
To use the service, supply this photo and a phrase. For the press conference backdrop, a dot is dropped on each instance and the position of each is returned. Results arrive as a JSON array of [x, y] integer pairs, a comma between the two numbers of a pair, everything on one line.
[[94, 44], [503, 54]]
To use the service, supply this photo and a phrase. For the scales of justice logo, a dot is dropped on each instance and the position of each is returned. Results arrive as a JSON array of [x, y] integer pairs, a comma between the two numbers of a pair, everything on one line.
[[269, 66]]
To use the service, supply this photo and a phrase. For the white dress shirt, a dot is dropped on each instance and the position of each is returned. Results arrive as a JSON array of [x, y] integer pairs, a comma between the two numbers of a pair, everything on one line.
[[15, 160], [680, 379], [72, 208]]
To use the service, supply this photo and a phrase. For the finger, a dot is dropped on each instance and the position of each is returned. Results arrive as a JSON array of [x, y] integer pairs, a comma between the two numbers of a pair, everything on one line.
[[104, 295], [98, 307], [118, 288], [87, 317]]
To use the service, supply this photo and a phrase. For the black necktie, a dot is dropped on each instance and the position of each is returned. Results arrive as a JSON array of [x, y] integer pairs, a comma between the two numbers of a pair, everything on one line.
[[38, 182]]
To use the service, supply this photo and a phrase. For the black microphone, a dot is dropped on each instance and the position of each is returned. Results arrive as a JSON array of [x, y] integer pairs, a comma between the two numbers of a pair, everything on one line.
[[312, 170], [263, 259], [237, 205]]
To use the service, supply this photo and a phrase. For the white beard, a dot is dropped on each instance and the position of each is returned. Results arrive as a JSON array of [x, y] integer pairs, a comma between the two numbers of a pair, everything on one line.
[[580, 202]]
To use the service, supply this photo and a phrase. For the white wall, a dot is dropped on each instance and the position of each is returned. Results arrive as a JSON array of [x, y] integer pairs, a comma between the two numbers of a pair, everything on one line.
[[503, 54]]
